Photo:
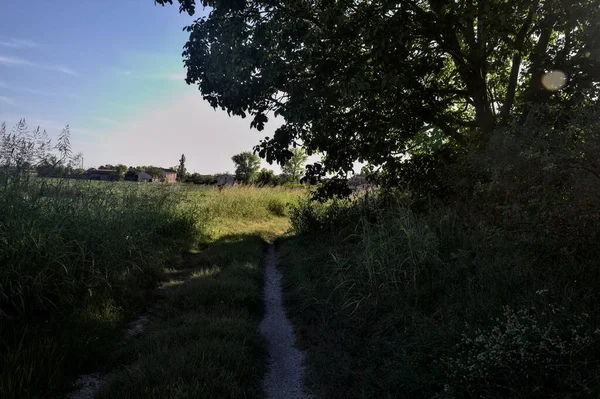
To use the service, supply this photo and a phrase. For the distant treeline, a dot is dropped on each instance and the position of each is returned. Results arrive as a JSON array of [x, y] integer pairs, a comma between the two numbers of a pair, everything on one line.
[[198, 178]]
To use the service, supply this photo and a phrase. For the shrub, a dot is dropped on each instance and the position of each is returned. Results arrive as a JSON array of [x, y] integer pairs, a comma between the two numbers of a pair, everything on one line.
[[524, 353], [309, 216], [277, 207]]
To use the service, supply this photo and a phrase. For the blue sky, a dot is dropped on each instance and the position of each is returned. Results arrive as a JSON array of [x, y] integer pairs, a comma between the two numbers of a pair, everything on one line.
[[112, 70]]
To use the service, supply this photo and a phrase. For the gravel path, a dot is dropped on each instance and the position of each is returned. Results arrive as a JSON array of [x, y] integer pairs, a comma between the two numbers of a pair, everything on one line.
[[284, 377]]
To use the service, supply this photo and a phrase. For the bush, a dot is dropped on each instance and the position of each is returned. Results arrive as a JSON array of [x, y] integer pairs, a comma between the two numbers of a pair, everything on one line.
[[523, 352], [308, 216], [277, 207], [538, 181]]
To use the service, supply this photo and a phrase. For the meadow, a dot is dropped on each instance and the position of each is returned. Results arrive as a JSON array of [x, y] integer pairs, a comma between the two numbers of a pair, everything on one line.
[[80, 259]]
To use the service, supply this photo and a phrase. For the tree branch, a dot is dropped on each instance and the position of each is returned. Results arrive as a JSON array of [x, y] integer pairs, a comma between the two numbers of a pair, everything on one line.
[[537, 57], [516, 62], [469, 30]]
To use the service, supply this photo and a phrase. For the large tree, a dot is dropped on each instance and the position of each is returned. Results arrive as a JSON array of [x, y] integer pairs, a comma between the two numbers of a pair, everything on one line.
[[246, 166], [374, 80]]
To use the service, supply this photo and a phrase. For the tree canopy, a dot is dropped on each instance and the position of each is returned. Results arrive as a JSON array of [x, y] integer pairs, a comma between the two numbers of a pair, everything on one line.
[[374, 81], [246, 166], [266, 177]]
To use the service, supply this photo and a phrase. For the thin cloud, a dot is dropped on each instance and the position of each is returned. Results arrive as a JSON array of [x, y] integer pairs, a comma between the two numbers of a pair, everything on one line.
[[154, 76], [16, 61], [64, 69], [85, 134], [17, 43], [120, 71], [7, 100], [37, 92]]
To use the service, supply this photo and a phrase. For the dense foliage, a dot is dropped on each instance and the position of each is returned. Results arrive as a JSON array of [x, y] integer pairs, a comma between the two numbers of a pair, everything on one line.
[[375, 81], [488, 290], [198, 178], [181, 170], [266, 177]]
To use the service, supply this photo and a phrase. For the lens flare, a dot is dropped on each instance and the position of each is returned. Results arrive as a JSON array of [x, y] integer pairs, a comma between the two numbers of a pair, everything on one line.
[[554, 80]]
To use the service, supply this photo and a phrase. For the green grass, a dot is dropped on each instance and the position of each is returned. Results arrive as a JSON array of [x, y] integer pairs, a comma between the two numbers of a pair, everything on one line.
[[204, 339], [389, 302], [78, 259], [250, 202]]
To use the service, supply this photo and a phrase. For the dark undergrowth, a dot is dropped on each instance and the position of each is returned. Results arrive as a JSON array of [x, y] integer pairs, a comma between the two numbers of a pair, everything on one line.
[[393, 298]]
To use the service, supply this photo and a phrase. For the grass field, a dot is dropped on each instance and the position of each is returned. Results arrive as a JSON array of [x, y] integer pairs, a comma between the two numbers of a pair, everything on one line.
[[390, 299], [79, 259]]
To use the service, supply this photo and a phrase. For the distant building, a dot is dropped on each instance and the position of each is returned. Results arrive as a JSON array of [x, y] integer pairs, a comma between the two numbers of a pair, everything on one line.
[[168, 176], [359, 184], [164, 175], [226, 180], [143, 176], [101, 174]]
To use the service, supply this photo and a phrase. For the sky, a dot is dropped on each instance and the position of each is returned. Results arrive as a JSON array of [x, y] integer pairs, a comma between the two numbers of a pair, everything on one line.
[[112, 70]]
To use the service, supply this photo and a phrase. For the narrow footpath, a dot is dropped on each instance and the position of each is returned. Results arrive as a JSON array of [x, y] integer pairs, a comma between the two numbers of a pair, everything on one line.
[[285, 374]]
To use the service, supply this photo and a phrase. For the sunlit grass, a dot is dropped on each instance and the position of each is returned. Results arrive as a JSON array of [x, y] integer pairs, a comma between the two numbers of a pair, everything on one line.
[[249, 202], [206, 272]]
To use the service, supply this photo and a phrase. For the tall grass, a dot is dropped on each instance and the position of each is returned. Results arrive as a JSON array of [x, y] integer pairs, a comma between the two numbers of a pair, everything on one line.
[[75, 258], [394, 302], [251, 202]]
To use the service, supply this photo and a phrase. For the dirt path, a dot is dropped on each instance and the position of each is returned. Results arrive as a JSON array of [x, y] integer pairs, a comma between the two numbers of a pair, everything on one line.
[[284, 377]]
